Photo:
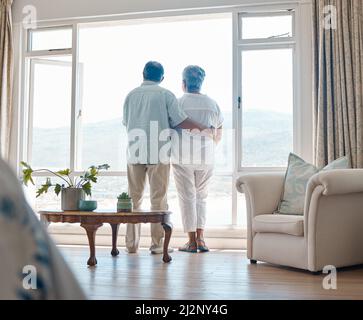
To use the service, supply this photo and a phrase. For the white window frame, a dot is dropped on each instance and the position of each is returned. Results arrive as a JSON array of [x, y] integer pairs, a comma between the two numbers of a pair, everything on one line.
[[299, 115], [32, 63], [241, 45]]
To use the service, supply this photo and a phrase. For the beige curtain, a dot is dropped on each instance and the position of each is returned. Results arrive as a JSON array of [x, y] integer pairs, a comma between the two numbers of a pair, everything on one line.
[[338, 81], [6, 76]]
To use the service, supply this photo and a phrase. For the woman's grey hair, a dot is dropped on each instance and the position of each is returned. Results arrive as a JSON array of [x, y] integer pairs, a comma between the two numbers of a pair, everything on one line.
[[193, 77]]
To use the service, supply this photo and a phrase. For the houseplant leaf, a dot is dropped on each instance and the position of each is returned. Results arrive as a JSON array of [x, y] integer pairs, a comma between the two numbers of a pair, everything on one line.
[[57, 189], [27, 173], [44, 188], [87, 188], [65, 172]]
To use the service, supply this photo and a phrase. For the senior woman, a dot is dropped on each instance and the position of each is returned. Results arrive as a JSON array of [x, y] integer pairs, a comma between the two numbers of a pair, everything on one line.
[[193, 157]]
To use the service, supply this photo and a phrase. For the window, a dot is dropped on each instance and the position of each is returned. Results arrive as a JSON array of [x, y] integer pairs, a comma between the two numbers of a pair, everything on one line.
[[75, 96], [107, 70], [50, 134], [50, 39], [113, 68], [266, 25], [267, 107], [266, 89]]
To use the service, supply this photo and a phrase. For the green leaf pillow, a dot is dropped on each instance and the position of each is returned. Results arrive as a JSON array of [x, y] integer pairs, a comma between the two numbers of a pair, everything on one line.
[[297, 177]]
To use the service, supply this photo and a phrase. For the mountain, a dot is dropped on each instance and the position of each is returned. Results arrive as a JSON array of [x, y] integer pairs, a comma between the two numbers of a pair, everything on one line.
[[267, 139]]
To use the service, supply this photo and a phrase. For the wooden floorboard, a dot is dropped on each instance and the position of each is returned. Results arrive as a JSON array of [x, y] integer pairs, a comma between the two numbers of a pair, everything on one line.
[[218, 275]]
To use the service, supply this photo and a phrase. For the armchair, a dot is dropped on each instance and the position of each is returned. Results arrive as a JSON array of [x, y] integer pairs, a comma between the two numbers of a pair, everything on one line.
[[329, 233]]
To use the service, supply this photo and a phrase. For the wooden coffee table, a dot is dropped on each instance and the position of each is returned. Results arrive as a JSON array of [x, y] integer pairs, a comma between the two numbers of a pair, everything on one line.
[[91, 221]]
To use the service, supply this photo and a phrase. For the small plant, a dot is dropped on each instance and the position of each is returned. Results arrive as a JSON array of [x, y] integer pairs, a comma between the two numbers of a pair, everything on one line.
[[124, 196], [83, 182], [124, 203]]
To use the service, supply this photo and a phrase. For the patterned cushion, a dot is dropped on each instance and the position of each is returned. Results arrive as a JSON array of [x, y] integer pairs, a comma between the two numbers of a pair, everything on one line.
[[297, 177]]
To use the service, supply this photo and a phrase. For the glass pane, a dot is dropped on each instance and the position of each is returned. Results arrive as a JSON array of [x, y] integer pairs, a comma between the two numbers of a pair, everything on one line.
[[267, 100], [219, 202], [106, 82], [267, 27], [51, 114], [219, 206], [106, 190], [47, 201], [51, 39]]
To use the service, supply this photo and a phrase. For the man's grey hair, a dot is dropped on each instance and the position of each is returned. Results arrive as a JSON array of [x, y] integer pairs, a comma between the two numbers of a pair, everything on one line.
[[193, 77]]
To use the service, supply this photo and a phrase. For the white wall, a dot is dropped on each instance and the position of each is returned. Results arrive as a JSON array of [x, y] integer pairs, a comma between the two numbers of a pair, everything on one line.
[[67, 9]]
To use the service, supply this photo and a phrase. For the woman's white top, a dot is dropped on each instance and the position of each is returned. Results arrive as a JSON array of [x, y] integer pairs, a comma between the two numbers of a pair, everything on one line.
[[193, 148]]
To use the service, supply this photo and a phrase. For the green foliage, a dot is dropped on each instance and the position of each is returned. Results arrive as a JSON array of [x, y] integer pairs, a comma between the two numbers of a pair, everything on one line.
[[65, 172], [44, 188], [27, 173], [89, 177], [85, 182], [57, 189], [124, 196], [87, 188]]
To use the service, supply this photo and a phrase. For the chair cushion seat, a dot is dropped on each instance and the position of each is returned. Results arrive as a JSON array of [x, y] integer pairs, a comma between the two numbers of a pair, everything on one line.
[[277, 223]]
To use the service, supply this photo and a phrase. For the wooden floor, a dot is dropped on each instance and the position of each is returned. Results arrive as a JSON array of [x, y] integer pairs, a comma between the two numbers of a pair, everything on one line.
[[218, 275]]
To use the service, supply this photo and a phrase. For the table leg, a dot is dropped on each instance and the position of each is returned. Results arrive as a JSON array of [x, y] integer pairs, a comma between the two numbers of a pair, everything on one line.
[[91, 230], [115, 228], [168, 227]]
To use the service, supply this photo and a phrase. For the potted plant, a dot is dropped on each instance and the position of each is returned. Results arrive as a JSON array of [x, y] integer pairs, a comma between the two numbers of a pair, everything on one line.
[[124, 203], [72, 191]]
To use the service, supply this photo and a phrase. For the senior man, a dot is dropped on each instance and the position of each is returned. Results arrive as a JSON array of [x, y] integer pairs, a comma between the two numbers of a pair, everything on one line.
[[148, 111]]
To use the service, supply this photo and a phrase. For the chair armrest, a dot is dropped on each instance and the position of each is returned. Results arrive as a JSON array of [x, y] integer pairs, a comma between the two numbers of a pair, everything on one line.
[[263, 191], [331, 183], [333, 219], [337, 182]]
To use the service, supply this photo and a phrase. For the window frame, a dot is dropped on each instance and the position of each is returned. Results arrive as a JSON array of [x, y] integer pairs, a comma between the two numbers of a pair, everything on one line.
[[266, 14], [236, 11], [241, 45], [34, 61], [29, 49]]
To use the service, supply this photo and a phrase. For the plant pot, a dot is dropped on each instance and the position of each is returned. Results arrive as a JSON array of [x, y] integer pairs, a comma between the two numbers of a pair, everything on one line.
[[71, 198], [124, 205], [87, 205]]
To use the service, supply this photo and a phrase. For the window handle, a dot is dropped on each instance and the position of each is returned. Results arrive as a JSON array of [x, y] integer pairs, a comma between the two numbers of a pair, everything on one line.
[[239, 102]]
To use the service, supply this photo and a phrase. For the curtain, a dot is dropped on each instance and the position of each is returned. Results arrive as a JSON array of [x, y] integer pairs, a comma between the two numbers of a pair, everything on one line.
[[6, 76], [338, 58]]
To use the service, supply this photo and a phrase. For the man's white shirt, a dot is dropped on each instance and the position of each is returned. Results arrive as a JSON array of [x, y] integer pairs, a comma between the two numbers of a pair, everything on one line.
[[149, 113]]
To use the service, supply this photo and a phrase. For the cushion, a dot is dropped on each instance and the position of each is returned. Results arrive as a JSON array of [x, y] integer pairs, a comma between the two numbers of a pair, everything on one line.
[[277, 223], [297, 177]]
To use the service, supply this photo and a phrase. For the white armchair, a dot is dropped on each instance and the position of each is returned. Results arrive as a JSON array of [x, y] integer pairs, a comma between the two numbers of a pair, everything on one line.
[[329, 233]]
